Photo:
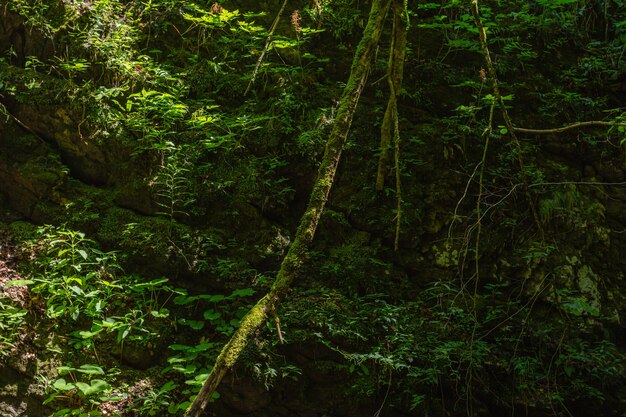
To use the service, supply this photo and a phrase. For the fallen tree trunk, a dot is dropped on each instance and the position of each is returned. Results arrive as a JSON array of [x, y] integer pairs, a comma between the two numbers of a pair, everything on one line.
[[259, 314]]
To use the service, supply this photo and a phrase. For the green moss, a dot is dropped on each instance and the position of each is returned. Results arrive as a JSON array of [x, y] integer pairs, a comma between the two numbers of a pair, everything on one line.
[[28, 86], [9, 390], [445, 256], [588, 284], [22, 231], [124, 228], [248, 327], [46, 170]]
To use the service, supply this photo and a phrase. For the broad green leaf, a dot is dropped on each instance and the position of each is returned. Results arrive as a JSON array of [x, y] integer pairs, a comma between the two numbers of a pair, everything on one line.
[[194, 324], [96, 386], [163, 312], [244, 292], [77, 290], [211, 314], [78, 280], [62, 385], [90, 369]]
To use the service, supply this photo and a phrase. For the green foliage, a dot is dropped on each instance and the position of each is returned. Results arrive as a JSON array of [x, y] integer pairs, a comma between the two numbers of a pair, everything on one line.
[[46, 17], [171, 183], [354, 267], [81, 394], [11, 322], [341, 18], [82, 287], [438, 340], [220, 317], [155, 402], [573, 105], [170, 241], [72, 276], [164, 81]]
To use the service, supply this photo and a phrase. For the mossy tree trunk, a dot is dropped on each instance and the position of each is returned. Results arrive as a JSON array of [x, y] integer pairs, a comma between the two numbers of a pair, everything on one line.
[[266, 306], [395, 71], [390, 126]]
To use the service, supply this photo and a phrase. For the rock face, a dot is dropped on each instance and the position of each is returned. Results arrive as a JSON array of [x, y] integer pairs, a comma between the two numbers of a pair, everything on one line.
[[232, 213], [29, 170], [20, 394], [83, 156], [15, 36]]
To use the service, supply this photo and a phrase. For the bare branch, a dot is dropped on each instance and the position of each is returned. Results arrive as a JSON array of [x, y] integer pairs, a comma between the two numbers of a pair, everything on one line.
[[267, 44], [566, 128]]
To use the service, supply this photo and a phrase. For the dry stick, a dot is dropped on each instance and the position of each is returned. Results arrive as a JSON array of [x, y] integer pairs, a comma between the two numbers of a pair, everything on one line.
[[479, 225], [400, 29], [267, 44], [565, 128], [396, 142], [290, 266], [505, 115], [483, 162], [281, 339]]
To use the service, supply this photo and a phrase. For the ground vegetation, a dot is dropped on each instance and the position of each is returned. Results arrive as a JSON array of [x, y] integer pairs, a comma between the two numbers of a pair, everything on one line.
[[320, 208]]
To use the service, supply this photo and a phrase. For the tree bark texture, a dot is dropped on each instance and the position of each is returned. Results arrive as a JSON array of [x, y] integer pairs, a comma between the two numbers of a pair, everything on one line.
[[258, 315], [395, 70]]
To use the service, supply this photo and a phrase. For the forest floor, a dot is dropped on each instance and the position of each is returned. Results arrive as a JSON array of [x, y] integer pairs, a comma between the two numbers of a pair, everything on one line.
[[9, 255]]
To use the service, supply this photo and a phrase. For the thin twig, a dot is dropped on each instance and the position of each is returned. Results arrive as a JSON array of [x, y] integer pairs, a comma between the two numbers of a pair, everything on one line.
[[396, 142], [267, 44], [540, 184], [380, 409], [483, 162], [5, 111], [505, 115], [455, 215]]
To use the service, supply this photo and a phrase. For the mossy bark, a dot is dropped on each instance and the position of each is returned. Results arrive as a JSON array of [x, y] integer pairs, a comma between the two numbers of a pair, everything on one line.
[[259, 314], [395, 70], [390, 126]]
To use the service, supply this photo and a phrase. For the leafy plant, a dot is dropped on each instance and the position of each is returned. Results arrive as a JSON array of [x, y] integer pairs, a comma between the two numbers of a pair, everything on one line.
[[71, 275], [82, 393], [172, 184], [220, 318], [12, 321]]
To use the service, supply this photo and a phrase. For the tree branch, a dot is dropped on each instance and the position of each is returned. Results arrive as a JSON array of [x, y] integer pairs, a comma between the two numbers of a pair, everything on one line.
[[566, 128], [290, 266], [482, 36], [267, 44]]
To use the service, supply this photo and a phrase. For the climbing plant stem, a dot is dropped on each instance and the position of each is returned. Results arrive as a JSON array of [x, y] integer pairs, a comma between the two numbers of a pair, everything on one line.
[[482, 35]]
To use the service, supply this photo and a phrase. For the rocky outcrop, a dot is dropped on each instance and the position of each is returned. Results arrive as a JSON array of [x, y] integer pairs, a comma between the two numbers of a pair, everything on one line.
[[84, 156], [29, 172]]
